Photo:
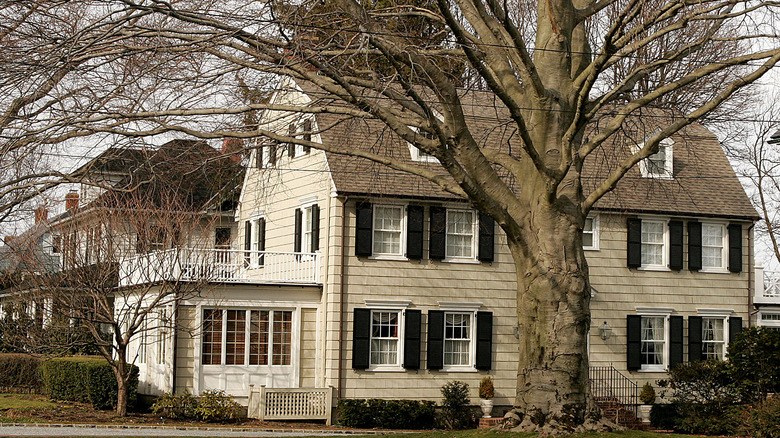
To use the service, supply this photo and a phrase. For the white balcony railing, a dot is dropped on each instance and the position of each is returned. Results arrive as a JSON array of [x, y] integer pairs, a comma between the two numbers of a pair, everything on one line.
[[220, 265], [767, 287]]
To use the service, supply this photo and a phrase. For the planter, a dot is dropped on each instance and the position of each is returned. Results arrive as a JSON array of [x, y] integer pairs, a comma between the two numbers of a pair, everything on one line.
[[644, 413], [487, 407]]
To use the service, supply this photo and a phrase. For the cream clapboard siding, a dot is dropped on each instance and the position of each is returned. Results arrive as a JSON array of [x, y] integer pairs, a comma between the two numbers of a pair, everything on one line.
[[308, 365], [621, 290], [185, 350]]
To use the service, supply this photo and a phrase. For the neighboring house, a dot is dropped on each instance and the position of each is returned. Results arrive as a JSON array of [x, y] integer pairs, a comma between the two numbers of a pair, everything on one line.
[[35, 250], [379, 284]]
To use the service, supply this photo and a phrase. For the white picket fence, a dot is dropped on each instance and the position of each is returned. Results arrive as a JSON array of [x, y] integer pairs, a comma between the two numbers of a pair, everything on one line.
[[290, 403]]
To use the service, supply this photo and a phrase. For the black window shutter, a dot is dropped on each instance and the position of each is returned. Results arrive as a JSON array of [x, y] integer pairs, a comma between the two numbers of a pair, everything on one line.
[[676, 340], [364, 230], [694, 246], [361, 338], [259, 157], [735, 326], [315, 228], [435, 339], [484, 340], [694, 338], [307, 135], [272, 154], [247, 241], [438, 233], [486, 237], [412, 322], [634, 248], [634, 342], [291, 146], [675, 245], [298, 229], [735, 247], [414, 231], [261, 241]]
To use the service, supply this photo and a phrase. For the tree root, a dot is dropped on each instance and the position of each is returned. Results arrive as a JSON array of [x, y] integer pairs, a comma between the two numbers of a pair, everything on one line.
[[516, 421]]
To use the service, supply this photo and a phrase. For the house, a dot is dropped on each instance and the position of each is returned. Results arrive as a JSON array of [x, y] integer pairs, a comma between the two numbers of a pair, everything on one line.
[[376, 283]]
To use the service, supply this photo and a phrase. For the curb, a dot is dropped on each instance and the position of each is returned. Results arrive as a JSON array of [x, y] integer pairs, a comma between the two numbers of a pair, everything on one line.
[[201, 428]]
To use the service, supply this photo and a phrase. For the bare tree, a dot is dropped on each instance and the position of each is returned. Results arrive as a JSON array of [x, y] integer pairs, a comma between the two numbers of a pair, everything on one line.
[[128, 258], [173, 67]]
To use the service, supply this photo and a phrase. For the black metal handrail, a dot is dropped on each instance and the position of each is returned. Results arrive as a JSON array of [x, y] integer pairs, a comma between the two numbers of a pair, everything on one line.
[[608, 385]]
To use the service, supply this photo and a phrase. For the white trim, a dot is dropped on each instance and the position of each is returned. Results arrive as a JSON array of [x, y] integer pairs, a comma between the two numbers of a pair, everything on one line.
[[664, 266], [668, 171], [401, 256], [651, 311], [387, 304], [724, 251], [308, 200], [472, 359], [458, 306], [715, 312], [420, 156], [656, 312], [401, 320], [595, 232], [472, 258]]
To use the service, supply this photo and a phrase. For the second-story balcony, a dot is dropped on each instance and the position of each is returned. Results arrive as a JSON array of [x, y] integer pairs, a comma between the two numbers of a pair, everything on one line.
[[767, 287], [220, 265]]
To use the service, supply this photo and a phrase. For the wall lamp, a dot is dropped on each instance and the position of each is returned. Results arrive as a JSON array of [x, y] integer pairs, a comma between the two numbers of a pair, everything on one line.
[[605, 331]]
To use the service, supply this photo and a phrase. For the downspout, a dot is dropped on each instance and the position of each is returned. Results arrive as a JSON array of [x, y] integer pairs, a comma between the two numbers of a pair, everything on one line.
[[175, 341], [751, 283], [342, 279]]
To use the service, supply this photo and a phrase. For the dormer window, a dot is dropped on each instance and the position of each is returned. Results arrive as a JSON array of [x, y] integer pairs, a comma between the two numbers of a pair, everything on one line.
[[301, 129], [417, 154], [659, 164]]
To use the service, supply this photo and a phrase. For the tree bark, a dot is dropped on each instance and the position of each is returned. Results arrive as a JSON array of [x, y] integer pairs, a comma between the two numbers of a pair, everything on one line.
[[121, 371]]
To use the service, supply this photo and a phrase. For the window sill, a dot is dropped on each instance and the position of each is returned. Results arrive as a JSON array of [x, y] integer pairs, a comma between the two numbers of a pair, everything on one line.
[[652, 370], [714, 271], [654, 268], [590, 248], [386, 369], [467, 261], [391, 257], [458, 369]]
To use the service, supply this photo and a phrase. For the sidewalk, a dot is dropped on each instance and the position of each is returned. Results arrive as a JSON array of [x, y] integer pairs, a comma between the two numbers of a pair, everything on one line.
[[112, 430]]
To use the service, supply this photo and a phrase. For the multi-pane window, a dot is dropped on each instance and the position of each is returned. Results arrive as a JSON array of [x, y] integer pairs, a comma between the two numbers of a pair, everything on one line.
[[659, 164], [590, 233], [653, 239], [143, 342], [653, 338], [712, 245], [212, 337], [460, 233], [306, 229], [457, 339], [388, 227], [713, 338], [770, 321], [226, 335], [384, 337], [162, 336]]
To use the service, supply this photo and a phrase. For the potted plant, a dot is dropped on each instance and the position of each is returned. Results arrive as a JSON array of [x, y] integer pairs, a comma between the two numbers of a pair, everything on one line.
[[647, 397], [486, 393]]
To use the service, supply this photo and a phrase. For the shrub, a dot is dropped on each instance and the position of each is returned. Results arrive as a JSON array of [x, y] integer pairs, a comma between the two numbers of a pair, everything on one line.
[[486, 388], [754, 360], [647, 395], [85, 379], [386, 414], [455, 413], [175, 406], [762, 420], [665, 416], [216, 406], [19, 371]]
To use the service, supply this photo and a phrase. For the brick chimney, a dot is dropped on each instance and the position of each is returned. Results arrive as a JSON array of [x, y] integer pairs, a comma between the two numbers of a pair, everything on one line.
[[71, 200], [232, 147], [41, 214]]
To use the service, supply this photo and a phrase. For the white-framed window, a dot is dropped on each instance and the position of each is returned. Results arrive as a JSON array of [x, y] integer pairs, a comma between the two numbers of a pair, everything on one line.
[[458, 340], [461, 235], [713, 247], [246, 337], [769, 320], [385, 339], [659, 164], [300, 129], [416, 153], [162, 336], [654, 342], [388, 229], [143, 342], [654, 243], [713, 338], [590, 233]]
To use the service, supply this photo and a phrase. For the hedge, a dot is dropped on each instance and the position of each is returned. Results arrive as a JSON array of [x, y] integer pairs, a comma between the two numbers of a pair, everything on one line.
[[19, 372], [387, 414], [85, 379]]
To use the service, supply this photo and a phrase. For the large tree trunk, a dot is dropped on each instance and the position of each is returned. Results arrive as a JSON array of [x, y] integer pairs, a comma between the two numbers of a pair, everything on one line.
[[121, 371]]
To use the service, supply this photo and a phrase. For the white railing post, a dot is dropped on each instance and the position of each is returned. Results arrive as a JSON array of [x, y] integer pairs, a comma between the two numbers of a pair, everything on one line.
[[759, 282]]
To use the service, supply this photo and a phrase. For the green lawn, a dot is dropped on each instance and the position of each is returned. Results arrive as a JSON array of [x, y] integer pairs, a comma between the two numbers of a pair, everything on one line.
[[21, 401]]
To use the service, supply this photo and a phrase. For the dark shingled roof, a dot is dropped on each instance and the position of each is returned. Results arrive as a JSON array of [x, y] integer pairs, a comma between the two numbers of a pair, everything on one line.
[[704, 182]]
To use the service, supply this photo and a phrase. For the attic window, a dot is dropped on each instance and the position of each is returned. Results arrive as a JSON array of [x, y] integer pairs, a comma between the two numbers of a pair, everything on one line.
[[302, 130], [659, 164], [417, 154]]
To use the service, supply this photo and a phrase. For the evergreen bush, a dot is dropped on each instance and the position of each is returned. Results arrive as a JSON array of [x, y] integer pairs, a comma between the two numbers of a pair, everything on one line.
[[386, 414], [86, 380], [455, 411], [19, 372]]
